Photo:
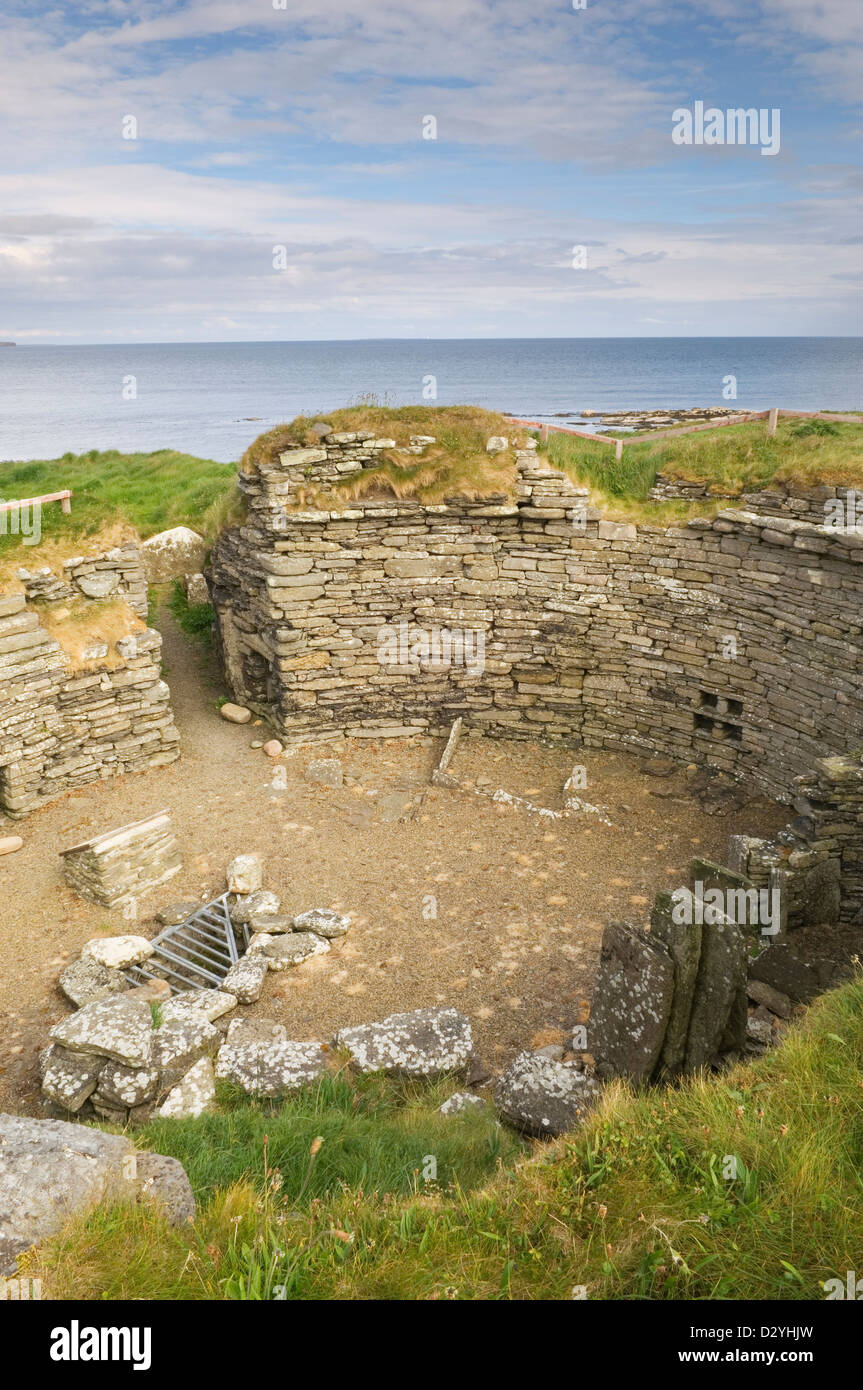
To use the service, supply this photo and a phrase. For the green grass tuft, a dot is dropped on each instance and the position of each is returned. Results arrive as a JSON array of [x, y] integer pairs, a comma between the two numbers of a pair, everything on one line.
[[323, 1197]]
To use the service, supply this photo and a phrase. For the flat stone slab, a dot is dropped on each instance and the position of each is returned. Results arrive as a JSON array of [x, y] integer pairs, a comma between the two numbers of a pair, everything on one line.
[[85, 980], [270, 1066], [126, 1086], [117, 1028], [326, 772], [70, 1078], [283, 952], [719, 1003], [245, 980], [117, 952], [199, 1003], [176, 913], [683, 943], [631, 1003], [191, 1096], [181, 1041], [425, 1042], [260, 903], [322, 922], [541, 1096]]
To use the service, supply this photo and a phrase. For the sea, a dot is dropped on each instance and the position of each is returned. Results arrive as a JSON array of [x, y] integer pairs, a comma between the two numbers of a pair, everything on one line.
[[213, 399]]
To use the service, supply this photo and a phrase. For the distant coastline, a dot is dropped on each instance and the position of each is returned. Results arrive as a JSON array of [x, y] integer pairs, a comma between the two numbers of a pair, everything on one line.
[[211, 400]]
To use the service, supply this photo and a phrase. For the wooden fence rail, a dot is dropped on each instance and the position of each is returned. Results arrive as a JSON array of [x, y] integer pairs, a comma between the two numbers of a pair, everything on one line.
[[771, 416]]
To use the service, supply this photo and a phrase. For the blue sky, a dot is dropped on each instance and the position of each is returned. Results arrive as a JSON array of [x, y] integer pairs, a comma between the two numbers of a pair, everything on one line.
[[302, 128]]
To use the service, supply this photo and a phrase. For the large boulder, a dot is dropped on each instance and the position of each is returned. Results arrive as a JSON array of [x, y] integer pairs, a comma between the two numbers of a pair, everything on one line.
[[541, 1096], [49, 1170], [423, 1043], [173, 554], [631, 1003]]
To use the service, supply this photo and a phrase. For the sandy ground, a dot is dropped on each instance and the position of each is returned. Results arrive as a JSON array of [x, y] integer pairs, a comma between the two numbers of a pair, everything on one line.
[[466, 902]]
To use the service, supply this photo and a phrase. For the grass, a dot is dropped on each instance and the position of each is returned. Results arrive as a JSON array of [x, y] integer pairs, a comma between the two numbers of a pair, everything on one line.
[[734, 459], [456, 465], [324, 1197], [82, 622], [120, 495], [194, 618]]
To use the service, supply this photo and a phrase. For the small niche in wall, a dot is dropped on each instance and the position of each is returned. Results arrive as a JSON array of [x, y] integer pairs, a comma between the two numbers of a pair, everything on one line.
[[719, 716]]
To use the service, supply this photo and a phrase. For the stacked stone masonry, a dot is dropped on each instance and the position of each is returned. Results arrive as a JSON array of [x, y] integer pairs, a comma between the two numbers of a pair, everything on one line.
[[732, 642], [61, 727]]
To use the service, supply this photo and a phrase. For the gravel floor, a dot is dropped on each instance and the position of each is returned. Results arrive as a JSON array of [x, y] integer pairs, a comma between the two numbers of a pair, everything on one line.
[[468, 901]]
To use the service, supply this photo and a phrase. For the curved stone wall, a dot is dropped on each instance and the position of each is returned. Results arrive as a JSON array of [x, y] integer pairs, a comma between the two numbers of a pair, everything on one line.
[[733, 642]]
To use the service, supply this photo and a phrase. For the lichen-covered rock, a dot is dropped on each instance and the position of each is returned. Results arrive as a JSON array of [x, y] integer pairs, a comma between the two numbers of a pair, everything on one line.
[[245, 874], [425, 1042], [718, 1018], [126, 1086], [70, 1078], [245, 979], [322, 922], [117, 952], [462, 1100], [193, 1095], [117, 1028], [261, 903], [540, 1096], [283, 952], [267, 1065], [631, 1003], [164, 1182], [199, 1003], [173, 554], [180, 1041], [49, 1170], [682, 940], [85, 980]]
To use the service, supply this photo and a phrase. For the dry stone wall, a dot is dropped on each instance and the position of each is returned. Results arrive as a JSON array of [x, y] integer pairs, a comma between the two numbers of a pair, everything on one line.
[[733, 641], [61, 727]]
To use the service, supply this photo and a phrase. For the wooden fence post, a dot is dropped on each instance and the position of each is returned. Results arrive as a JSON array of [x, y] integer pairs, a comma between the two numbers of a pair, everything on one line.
[[772, 421], [618, 449]]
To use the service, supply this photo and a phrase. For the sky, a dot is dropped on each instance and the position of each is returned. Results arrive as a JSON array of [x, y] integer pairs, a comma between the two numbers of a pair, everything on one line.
[[228, 170]]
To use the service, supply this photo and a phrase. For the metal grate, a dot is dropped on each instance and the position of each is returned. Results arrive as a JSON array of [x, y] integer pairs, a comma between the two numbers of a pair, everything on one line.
[[195, 954]]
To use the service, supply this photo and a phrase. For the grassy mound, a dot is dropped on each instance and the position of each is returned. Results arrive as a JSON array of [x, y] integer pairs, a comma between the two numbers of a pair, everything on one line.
[[744, 1186], [734, 459], [116, 496], [456, 465]]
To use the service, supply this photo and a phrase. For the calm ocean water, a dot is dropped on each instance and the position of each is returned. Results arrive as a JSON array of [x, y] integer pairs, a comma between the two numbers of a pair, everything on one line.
[[212, 399]]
